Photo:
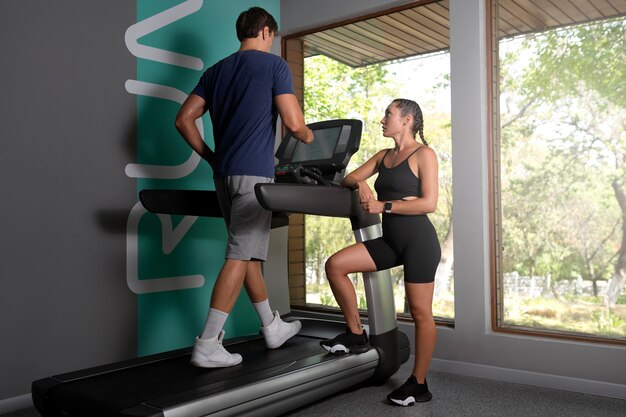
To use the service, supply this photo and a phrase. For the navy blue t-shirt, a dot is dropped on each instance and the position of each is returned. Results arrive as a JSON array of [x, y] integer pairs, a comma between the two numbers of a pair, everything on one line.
[[239, 93]]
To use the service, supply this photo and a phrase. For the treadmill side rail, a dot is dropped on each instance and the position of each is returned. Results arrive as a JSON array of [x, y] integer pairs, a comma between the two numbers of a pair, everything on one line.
[[277, 395]]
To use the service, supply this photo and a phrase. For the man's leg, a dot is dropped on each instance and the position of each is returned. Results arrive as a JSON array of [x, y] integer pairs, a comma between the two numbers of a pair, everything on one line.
[[225, 292], [254, 282], [274, 329], [208, 351], [255, 287], [228, 284]]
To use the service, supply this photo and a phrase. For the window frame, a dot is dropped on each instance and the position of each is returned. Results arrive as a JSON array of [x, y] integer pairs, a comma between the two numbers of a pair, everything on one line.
[[292, 52], [494, 193]]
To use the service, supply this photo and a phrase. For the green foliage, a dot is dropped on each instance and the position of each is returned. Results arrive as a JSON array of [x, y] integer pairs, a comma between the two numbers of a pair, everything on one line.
[[576, 315], [608, 323], [333, 90], [327, 299], [563, 147], [591, 54], [362, 302], [323, 237]]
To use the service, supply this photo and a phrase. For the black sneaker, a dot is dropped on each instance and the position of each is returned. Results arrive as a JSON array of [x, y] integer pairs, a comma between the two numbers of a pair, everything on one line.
[[410, 393], [347, 342]]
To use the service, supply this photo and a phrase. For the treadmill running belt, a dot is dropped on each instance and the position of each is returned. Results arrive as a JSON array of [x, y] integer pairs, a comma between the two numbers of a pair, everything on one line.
[[165, 382]]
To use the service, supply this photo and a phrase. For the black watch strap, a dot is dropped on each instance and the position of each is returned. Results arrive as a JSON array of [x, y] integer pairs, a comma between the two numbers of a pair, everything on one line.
[[387, 207]]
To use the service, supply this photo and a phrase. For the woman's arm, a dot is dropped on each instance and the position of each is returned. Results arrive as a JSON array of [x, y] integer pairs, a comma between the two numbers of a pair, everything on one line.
[[357, 178]]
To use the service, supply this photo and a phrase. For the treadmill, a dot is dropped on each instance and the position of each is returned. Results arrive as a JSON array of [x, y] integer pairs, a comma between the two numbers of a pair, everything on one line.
[[267, 382]]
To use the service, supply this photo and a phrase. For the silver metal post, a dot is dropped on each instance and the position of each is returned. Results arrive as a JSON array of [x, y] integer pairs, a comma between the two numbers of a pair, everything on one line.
[[378, 290]]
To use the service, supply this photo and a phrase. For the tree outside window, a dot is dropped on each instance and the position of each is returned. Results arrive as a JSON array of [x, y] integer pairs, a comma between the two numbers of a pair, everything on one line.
[[563, 173]]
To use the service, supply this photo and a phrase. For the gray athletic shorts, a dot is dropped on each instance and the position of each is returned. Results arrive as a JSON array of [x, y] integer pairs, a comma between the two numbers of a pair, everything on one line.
[[248, 223]]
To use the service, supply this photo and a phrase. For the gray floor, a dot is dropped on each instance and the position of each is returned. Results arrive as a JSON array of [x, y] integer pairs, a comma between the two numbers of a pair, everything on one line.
[[463, 396], [454, 396]]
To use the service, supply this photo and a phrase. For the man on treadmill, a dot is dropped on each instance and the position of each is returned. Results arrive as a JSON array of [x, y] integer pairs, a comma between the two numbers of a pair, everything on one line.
[[243, 94]]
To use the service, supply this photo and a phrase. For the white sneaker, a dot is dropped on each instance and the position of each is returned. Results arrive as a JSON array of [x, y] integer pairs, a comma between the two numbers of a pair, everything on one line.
[[210, 353], [278, 331]]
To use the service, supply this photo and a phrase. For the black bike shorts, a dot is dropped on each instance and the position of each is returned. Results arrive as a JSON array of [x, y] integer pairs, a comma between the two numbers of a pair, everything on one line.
[[410, 241]]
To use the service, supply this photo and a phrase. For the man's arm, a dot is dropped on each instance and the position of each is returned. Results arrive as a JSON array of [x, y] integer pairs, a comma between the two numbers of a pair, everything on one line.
[[192, 109], [292, 117]]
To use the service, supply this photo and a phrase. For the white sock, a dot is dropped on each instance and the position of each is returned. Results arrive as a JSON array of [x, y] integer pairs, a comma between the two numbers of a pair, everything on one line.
[[214, 323], [265, 312]]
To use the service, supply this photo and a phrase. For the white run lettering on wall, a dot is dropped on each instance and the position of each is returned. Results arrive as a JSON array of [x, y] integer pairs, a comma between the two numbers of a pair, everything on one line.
[[162, 171], [156, 22], [170, 236]]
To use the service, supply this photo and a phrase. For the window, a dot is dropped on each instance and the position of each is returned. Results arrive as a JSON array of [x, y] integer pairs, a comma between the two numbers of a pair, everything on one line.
[[355, 70], [559, 165]]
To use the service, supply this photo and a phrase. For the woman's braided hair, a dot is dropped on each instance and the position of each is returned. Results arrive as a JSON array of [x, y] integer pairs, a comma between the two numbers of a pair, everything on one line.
[[409, 107]]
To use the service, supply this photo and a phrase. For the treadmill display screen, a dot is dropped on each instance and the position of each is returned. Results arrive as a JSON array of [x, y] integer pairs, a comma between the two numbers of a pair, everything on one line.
[[334, 142], [322, 147]]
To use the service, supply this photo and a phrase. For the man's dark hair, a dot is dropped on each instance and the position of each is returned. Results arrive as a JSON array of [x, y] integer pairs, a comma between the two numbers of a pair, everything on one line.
[[252, 21]]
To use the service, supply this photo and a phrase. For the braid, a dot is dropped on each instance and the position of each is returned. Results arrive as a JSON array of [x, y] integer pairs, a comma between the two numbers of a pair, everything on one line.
[[409, 107]]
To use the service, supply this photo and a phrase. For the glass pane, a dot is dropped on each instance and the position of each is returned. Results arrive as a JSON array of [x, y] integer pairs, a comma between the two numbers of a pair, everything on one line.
[[334, 90], [563, 156]]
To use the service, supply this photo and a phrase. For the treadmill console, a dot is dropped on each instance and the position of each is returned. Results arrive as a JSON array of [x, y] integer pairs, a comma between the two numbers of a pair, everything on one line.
[[323, 161]]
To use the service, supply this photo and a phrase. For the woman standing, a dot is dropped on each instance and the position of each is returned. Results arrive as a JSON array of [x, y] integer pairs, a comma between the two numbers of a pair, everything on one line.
[[407, 189]]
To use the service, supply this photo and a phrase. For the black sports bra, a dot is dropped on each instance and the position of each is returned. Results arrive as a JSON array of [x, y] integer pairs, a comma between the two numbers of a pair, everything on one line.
[[397, 182]]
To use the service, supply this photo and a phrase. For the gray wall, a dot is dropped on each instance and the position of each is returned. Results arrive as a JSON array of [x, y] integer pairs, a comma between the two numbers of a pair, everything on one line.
[[66, 133], [471, 347]]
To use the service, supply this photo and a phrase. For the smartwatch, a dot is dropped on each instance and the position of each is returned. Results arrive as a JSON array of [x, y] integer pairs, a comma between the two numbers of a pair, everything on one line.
[[387, 207]]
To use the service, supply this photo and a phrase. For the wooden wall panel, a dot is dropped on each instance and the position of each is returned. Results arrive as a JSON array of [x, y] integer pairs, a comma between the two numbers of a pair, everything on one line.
[[293, 53]]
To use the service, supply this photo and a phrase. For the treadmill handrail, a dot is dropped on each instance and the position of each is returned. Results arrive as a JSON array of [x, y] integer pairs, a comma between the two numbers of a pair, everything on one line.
[[184, 202], [319, 200]]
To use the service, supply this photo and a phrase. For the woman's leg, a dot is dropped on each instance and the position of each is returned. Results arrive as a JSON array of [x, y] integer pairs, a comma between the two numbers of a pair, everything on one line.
[[420, 298], [354, 258]]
